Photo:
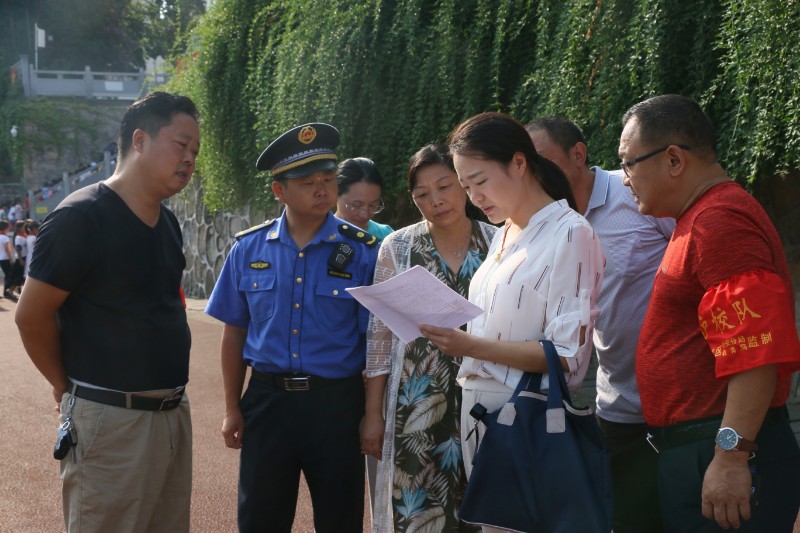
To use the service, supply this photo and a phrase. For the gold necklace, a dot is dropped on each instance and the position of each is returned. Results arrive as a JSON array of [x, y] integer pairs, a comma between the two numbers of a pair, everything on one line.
[[502, 244]]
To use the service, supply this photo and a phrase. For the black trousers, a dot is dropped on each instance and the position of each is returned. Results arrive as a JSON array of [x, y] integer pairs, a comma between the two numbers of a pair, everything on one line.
[[634, 475], [313, 431], [777, 463], [5, 265]]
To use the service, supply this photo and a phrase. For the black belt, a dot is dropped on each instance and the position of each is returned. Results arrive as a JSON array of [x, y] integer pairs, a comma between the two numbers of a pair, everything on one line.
[[666, 437], [296, 382], [127, 400]]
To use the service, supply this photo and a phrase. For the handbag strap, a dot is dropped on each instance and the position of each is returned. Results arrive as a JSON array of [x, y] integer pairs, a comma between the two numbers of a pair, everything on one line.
[[532, 382]]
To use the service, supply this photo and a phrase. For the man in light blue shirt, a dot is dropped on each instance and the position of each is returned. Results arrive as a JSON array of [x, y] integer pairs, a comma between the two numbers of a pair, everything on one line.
[[633, 245]]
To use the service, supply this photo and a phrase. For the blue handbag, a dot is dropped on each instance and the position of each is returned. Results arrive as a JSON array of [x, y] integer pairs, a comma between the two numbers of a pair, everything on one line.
[[542, 464]]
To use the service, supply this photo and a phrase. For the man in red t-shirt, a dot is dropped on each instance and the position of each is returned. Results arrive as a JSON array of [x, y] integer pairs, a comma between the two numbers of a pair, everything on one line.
[[718, 344]]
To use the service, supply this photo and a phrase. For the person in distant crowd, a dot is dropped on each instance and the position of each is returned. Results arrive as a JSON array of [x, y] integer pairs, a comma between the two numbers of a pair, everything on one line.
[[6, 255], [360, 190], [102, 318], [30, 241], [18, 265], [718, 344], [288, 316], [633, 245], [13, 214], [3, 213], [450, 242]]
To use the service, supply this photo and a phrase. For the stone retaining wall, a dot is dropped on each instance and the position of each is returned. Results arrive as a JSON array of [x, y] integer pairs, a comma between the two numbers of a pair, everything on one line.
[[208, 237], [780, 196]]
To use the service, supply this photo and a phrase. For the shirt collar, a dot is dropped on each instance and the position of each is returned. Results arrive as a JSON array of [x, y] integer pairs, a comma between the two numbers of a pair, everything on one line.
[[599, 190], [328, 232]]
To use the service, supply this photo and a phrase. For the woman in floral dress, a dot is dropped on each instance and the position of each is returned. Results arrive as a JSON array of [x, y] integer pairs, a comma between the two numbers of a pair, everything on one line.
[[416, 431]]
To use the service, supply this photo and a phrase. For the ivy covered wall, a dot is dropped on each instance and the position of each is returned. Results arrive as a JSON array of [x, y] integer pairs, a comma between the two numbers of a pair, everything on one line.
[[395, 75]]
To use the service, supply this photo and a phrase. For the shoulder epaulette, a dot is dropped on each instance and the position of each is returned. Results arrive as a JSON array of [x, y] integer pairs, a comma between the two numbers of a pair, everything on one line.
[[254, 229], [358, 234]]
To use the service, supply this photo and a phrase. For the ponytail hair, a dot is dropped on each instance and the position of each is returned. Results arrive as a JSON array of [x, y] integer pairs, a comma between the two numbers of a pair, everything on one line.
[[497, 137]]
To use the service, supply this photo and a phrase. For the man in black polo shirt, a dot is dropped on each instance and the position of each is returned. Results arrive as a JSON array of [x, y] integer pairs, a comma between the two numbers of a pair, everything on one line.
[[102, 318]]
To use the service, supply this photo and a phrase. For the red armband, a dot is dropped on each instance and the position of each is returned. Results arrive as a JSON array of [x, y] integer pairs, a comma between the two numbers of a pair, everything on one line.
[[748, 321]]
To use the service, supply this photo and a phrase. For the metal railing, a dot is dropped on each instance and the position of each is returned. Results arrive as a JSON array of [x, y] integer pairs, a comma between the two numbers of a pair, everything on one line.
[[44, 200], [84, 84]]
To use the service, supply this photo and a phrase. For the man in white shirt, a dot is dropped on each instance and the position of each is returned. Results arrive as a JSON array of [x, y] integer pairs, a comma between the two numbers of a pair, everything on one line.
[[633, 245], [12, 215], [6, 255], [30, 239]]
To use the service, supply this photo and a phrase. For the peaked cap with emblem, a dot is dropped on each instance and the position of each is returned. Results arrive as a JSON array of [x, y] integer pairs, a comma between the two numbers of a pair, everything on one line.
[[301, 151]]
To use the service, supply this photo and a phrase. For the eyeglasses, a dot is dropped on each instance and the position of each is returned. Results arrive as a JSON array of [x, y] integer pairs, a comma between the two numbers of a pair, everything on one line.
[[369, 210], [628, 164]]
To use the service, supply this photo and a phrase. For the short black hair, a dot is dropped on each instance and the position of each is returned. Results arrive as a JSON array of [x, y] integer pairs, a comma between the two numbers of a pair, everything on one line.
[[356, 170], [151, 113], [673, 119], [561, 130]]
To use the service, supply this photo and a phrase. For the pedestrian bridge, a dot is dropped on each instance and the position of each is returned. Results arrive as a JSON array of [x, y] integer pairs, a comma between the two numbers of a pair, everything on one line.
[[79, 84]]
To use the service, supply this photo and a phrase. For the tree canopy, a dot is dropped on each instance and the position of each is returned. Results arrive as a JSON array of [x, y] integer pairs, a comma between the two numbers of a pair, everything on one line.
[[393, 75], [107, 35]]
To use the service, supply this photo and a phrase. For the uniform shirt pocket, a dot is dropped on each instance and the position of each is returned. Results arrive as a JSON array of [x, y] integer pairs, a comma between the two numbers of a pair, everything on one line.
[[335, 306], [259, 290]]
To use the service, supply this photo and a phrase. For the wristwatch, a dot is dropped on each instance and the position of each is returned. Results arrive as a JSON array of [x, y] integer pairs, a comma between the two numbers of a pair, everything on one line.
[[728, 441]]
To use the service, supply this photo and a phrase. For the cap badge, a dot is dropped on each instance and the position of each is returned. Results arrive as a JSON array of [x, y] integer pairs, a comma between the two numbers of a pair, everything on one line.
[[307, 135]]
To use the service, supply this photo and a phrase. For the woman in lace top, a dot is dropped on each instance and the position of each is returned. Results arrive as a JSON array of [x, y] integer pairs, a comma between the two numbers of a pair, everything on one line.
[[421, 474]]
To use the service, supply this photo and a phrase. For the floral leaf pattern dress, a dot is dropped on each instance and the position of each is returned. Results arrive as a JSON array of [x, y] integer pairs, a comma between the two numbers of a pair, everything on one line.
[[421, 479]]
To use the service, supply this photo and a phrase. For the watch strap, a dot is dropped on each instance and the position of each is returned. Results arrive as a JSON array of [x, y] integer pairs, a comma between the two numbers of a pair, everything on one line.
[[742, 444], [745, 445]]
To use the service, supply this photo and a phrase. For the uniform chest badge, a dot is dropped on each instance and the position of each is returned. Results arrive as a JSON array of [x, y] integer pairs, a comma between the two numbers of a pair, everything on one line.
[[259, 265]]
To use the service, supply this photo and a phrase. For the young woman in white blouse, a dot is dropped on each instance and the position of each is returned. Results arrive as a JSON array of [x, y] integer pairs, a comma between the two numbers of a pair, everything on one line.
[[542, 275]]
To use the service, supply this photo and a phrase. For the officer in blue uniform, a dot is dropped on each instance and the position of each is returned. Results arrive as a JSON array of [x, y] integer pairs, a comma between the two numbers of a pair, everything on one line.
[[287, 315]]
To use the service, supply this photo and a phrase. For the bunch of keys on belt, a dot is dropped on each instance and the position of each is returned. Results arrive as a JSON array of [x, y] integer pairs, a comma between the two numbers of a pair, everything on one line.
[[65, 437]]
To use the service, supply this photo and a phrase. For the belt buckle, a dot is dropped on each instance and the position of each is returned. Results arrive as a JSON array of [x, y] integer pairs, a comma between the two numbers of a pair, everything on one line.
[[169, 403], [172, 401], [296, 384], [650, 439]]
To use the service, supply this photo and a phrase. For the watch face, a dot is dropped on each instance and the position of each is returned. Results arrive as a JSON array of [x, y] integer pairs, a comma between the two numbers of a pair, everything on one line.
[[727, 439]]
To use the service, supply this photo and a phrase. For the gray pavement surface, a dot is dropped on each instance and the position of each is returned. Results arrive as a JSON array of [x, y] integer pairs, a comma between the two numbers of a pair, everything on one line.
[[30, 497], [29, 477]]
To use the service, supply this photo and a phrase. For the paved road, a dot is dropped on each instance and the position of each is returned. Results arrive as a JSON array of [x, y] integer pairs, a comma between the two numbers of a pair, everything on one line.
[[29, 480]]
